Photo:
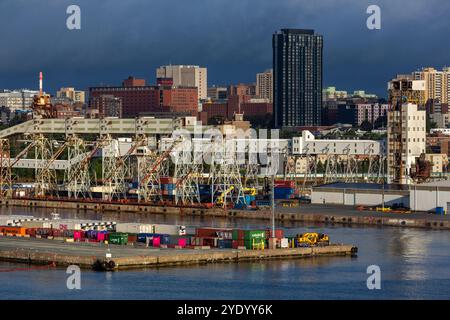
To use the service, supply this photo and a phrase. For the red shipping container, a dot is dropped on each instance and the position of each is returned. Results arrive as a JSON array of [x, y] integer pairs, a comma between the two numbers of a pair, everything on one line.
[[31, 232], [210, 232], [101, 236], [167, 180], [285, 183], [156, 241], [237, 243], [279, 233], [78, 235], [182, 242], [132, 238]]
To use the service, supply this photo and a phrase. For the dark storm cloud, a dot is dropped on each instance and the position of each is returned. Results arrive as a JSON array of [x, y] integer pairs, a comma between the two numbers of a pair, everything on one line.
[[230, 37]]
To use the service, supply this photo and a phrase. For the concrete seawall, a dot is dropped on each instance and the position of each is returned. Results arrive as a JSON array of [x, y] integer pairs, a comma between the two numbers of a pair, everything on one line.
[[57, 253], [342, 215]]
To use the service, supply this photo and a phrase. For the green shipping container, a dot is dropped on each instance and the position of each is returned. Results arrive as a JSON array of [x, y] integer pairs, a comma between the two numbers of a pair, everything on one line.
[[118, 238], [254, 234], [238, 234], [254, 244]]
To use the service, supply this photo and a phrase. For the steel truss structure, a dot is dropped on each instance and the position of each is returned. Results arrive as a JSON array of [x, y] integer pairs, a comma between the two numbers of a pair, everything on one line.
[[225, 177], [5, 169]]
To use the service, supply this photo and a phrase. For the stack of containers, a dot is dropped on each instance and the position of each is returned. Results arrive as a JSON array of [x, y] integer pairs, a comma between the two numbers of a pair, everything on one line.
[[284, 189], [167, 186], [211, 236], [155, 239], [251, 239]]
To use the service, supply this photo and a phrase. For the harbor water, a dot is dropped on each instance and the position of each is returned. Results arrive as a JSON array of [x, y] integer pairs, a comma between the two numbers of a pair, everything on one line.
[[414, 264]]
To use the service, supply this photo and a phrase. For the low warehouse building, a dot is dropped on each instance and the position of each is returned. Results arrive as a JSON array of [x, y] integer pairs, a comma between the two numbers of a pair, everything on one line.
[[353, 194], [422, 197]]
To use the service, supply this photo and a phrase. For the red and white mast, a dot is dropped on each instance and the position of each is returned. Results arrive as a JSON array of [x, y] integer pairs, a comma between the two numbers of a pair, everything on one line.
[[40, 83]]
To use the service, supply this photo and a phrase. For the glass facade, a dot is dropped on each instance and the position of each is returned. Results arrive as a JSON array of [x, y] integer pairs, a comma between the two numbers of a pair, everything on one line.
[[297, 69]]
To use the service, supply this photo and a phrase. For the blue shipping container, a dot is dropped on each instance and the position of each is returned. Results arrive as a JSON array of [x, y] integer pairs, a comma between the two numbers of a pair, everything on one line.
[[225, 244]]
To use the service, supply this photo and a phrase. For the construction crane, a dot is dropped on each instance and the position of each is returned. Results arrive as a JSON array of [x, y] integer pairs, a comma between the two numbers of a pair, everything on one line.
[[21, 154], [159, 160], [120, 161], [149, 181]]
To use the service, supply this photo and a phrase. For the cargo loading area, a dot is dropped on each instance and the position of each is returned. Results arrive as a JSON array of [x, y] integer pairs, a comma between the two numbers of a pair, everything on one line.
[[93, 255], [109, 245]]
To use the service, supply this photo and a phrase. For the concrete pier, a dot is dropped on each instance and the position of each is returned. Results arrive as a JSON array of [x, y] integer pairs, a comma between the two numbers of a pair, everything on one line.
[[93, 255], [328, 214]]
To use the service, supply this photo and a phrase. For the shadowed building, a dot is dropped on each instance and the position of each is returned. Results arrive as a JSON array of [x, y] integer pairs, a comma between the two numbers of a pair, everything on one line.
[[297, 72]]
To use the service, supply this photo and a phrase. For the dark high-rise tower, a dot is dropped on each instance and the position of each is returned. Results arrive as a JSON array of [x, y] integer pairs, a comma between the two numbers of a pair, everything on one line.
[[297, 82]]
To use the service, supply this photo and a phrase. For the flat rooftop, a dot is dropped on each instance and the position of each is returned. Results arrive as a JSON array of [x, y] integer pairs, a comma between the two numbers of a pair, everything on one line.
[[363, 186]]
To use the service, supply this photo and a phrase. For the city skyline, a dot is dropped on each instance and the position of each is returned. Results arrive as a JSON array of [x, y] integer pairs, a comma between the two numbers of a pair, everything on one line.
[[354, 56]]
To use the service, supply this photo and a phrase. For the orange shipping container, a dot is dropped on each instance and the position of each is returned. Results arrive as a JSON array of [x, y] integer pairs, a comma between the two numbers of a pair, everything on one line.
[[13, 230]]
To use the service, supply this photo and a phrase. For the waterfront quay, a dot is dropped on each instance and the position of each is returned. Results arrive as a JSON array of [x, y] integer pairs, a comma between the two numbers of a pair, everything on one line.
[[309, 213], [93, 255]]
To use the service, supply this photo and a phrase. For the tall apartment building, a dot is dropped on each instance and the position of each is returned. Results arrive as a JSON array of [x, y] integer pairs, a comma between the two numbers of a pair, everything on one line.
[[17, 99], [437, 84], [186, 76], [72, 94], [406, 140], [264, 85], [297, 71]]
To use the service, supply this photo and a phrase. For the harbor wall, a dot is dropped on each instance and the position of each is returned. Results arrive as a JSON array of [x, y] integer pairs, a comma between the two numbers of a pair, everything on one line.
[[371, 218]]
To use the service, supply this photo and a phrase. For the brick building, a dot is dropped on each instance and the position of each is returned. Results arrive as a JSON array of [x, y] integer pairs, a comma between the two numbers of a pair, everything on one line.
[[139, 98]]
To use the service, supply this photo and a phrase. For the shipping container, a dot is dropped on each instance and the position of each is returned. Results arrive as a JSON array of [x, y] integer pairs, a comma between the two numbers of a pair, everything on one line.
[[237, 243], [214, 232], [156, 241], [254, 234], [255, 243], [134, 228], [284, 183], [225, 244], [132, 238], [279, 233], [13, 230], [36, 224], [169, 229], [118, 238]]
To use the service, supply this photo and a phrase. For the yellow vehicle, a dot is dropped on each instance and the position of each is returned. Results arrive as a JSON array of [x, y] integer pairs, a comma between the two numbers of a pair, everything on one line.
[[221, 198], [312, 239], [250, 191], [289, 204]]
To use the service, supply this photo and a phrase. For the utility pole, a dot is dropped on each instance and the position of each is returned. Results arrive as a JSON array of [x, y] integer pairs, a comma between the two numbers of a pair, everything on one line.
[[273, 205]]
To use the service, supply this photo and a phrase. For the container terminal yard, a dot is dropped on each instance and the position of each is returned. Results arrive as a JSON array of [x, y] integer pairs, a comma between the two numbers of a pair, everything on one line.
[[177, 166], [107, 245]]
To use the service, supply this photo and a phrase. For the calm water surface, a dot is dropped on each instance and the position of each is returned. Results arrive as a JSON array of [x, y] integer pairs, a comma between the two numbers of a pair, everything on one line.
[[415, 264]]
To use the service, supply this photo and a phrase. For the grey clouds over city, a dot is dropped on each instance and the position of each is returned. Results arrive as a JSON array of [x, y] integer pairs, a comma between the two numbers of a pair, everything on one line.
[[231, 38]]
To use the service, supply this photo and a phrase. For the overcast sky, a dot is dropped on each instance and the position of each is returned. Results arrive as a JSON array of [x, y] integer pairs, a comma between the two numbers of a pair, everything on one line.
[[232, 38]]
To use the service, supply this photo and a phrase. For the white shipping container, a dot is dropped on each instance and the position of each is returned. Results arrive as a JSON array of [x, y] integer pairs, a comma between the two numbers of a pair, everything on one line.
[[134, 228], [37, 224], [170, 229]]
